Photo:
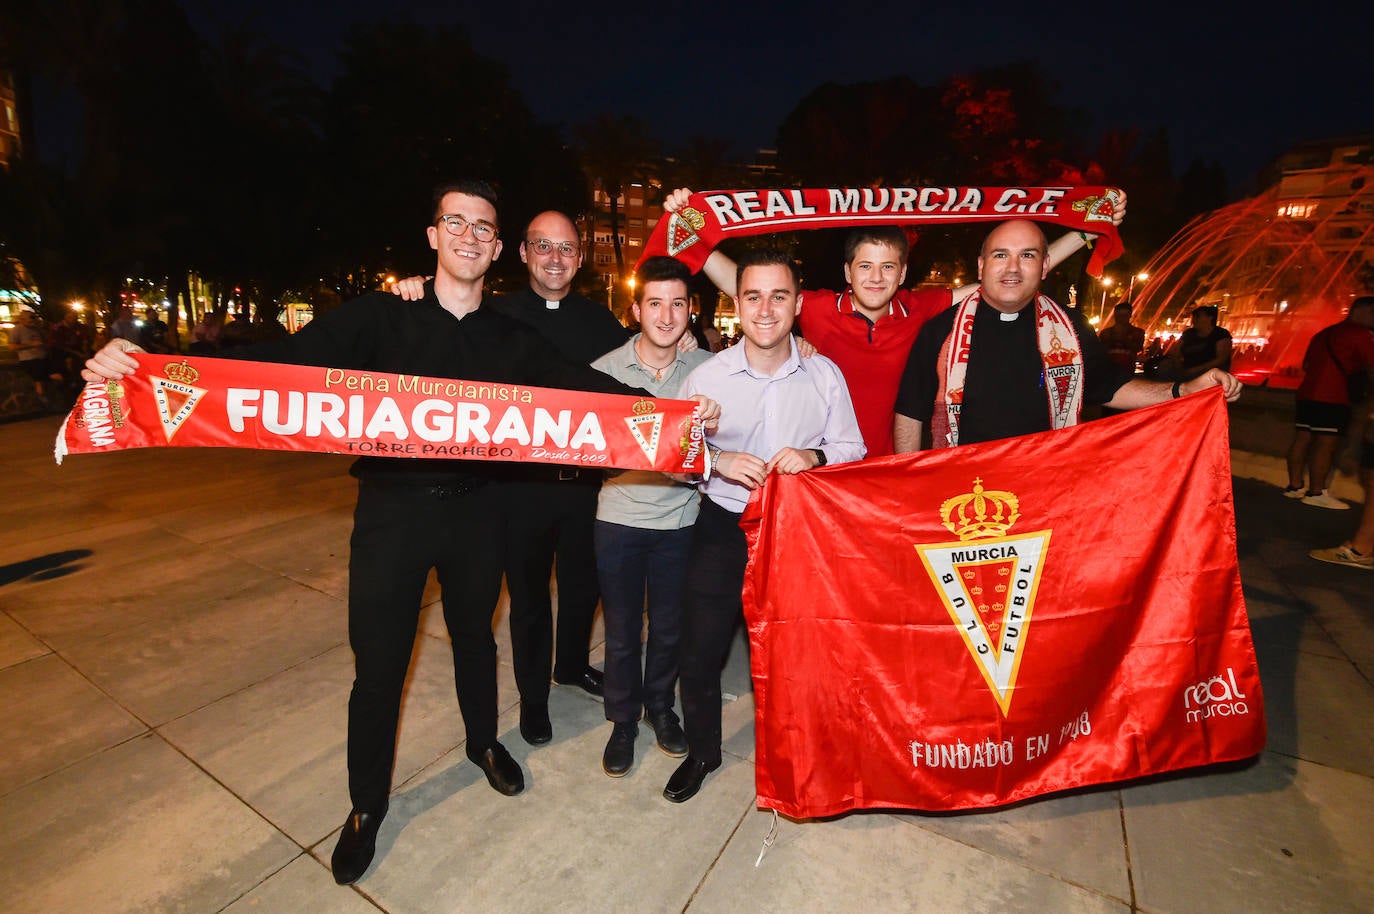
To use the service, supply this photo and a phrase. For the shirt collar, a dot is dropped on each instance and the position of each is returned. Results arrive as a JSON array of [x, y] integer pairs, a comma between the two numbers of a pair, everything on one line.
[[738, 362], [844, 303]]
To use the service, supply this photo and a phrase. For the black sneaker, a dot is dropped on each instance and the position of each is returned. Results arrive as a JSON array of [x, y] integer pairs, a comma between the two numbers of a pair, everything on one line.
[[620, 750]]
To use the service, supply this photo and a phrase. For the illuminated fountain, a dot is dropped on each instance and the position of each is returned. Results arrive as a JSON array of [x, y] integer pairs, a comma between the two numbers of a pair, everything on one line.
[[1279, 266]]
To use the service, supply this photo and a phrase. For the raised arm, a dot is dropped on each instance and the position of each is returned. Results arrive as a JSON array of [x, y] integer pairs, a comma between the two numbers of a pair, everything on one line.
[[718, 268], [1061, 249]]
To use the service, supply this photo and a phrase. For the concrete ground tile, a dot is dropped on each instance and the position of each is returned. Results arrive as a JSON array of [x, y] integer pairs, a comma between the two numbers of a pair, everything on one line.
[[53, 717], [137, 828], [431, 724], [165, 668], [1318, 709], [200, 523], [1283, 626], [97, 601], [95, 544], [1281, 836], [303, 885], [575, 840], [872, 862], [280, 745], [1344, 612], [1073, 837], [311, 549], [16, 644]]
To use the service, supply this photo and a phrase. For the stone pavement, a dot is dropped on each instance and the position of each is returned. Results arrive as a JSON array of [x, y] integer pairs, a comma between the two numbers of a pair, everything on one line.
[[174, 671]]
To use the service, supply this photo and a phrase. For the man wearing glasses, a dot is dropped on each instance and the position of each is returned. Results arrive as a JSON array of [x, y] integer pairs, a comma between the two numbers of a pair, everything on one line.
[[417, 514], [553, 508]]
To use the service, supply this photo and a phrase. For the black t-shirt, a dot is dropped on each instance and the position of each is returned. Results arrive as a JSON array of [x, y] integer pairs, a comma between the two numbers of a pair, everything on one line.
[[1004, 388], [1195, 349], [378, 332]]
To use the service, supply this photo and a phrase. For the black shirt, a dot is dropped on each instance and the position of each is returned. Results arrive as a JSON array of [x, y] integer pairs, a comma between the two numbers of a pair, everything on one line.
[[379, 332], [1004, 387], [580, 328], [1196, 349]]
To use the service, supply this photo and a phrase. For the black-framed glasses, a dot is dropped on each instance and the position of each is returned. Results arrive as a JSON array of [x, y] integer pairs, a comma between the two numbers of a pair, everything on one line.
[[457, 225], [544, 247]]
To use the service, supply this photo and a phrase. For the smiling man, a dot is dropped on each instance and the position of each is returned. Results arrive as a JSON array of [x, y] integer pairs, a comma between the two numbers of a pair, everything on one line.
[[780, 414], [643, 530], [553, 508], [420, 514], [1008, 361]]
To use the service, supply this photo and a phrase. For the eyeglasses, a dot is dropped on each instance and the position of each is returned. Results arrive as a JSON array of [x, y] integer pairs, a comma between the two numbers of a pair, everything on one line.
[[544, 247], [457, 225]]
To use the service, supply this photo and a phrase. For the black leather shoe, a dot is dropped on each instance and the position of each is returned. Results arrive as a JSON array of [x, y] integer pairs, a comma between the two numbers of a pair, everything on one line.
[[535, 727], [668, 732], [502, 771], [357, 844], [620, 750], [589, 680], [686, 781]]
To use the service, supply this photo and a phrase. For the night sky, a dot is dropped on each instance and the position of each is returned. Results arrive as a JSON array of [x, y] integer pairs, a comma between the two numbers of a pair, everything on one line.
[[1232, 82]]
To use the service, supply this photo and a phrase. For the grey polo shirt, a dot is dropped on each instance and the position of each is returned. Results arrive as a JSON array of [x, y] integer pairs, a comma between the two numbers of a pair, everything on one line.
[[645, 498]]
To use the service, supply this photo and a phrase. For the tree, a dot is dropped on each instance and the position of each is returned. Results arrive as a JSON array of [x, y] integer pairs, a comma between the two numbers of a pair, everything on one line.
[[616, 151], [413, 108]]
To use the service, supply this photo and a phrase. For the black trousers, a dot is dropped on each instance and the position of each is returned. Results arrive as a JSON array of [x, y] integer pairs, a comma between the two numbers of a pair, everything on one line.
[[400, 532], [712, 610], [550, 519]]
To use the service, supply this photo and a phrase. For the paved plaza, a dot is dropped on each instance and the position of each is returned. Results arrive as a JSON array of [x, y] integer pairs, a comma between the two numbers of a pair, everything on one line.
[[174, 670]]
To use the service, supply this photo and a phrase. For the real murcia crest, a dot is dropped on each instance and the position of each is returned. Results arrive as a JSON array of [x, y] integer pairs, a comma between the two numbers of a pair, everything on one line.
[[1061, 370], [988, 581], [1097, 208], [646, 425], [683, 226], [175, 395]]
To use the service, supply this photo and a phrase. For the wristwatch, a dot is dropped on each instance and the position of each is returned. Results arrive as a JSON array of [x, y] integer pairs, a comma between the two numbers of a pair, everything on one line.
[[820, 456]]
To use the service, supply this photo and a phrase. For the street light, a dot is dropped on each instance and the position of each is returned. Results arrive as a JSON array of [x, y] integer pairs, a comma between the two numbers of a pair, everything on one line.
[[1130, 290], [1102, 310]]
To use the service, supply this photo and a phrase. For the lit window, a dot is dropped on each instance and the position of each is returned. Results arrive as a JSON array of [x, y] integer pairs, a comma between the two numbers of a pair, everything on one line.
[[1297, 210]]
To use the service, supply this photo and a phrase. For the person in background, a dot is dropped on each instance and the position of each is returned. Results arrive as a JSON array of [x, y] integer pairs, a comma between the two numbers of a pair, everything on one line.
[[1336, 371]]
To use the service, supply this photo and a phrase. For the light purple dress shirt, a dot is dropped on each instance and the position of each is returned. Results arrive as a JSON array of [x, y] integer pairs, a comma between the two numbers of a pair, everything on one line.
[[805, 405]]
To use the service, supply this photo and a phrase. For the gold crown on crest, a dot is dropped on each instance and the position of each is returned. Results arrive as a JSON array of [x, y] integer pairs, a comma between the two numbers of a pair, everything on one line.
[[980, 514], [181, 372], [643, 407], [692, 217]]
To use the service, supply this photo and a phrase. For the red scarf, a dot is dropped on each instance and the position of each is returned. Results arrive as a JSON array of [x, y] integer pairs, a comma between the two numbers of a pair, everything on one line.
[[1062, 357], [194, 401], [691, 233]]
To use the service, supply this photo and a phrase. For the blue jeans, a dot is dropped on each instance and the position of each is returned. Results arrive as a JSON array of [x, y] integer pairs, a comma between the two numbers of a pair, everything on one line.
[[630, 562]]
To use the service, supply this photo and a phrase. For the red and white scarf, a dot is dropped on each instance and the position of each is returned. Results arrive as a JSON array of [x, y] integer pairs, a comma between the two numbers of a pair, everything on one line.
[[709, 217], [1059, 351]]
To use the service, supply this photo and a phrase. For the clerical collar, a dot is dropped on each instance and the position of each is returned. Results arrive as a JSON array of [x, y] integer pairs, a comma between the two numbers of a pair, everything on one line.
[[551, 305], [1009, 317]]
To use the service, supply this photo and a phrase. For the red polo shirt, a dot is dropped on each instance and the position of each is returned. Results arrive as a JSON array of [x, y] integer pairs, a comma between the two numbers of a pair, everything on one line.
[[872, 356]]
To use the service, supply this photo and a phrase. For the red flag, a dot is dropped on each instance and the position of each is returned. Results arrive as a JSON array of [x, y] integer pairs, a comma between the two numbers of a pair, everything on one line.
[[978, 625], [205, 402]]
